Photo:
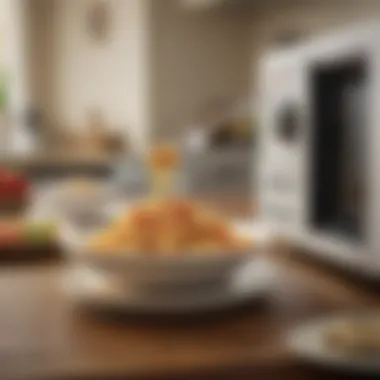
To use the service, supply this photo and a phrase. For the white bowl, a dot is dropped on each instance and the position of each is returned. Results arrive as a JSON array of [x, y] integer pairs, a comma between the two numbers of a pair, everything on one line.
[[156, 271]]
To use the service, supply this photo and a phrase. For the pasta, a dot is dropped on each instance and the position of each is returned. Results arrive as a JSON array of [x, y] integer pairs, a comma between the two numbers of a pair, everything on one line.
[[169, 227]]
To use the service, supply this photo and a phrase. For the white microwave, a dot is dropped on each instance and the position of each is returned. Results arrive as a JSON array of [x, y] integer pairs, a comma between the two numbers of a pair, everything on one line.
[[319, 146]]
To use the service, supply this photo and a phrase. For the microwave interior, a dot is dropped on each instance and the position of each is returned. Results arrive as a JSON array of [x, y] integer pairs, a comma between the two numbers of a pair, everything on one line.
[[339, 125]]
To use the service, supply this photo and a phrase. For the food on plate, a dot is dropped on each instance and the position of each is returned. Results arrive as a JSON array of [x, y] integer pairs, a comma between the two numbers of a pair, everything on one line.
[[13, 187], [10, 234], [21, 233], [167, 227], [358, 336], [39, 233]]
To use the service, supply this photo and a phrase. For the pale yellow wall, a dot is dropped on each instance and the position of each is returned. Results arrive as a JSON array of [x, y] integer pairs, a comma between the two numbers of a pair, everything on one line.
[[40, 50], [198, 55], [110, 76], [162, 64]]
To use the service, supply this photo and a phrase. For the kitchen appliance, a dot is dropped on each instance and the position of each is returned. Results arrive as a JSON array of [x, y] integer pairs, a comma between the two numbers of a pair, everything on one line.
[[319, 159]]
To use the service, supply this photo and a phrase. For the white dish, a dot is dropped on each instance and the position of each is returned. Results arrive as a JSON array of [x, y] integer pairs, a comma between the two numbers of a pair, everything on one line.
[[94, 290], [308, 342], [152, 271]]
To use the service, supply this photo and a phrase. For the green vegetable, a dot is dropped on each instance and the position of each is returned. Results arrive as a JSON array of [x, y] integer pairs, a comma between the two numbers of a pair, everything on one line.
[[40, 233]]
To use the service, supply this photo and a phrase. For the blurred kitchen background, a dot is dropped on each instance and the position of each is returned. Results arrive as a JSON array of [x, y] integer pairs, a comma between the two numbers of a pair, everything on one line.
[[86, 86]]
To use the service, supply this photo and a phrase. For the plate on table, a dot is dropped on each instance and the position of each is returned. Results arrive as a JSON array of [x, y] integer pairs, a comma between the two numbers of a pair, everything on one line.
[[92, 289], [346, 342]]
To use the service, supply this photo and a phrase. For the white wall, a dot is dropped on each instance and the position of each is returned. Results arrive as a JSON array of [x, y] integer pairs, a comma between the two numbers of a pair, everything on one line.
[[14, 65], [110, 76]]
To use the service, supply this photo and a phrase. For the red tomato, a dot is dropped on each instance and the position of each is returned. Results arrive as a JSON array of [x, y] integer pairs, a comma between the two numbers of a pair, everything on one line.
[[10, 235], [12, 186]]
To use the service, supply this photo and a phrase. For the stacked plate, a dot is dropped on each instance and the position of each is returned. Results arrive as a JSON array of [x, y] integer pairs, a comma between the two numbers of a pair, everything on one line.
[[176, 284]]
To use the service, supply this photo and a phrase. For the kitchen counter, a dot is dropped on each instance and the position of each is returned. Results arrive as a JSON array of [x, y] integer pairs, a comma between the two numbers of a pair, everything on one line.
[[59, 159], [222, 171], [45, 336], [56, 165]]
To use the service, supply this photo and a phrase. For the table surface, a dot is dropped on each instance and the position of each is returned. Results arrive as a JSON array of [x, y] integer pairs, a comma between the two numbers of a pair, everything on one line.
[[44, 335]]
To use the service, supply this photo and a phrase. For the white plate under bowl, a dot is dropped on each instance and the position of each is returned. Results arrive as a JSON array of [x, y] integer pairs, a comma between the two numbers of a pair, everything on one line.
[[308, 343], [94, 290], [153, 270]]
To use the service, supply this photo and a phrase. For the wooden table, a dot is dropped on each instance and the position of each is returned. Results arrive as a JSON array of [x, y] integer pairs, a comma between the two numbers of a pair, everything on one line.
[[45, 336]]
